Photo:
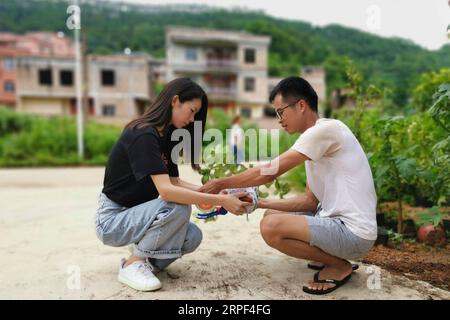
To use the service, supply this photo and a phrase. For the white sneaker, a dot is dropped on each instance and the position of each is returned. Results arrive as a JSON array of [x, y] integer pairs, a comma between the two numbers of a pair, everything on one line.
[[154, 268], [139, 276]]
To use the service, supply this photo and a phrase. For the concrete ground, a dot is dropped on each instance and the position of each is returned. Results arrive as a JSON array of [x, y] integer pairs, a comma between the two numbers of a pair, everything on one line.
[[48, 250]]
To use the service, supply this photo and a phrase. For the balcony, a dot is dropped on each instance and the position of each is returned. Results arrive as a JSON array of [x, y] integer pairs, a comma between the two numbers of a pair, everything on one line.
[[222, 65], [216, 66], [221, 93]]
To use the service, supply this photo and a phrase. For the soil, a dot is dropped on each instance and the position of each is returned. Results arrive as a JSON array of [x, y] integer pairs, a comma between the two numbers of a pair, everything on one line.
[[408, 210], [414, 260]]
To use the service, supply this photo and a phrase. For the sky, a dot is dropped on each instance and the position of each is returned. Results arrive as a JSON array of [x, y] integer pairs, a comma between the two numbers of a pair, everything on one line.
[[424, 22]]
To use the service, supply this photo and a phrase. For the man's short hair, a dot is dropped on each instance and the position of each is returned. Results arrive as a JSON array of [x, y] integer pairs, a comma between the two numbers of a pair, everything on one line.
[[294, 88]]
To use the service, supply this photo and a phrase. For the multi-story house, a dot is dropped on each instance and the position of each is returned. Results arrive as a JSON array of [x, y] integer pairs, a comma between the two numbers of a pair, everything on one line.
[[316, 76], [43, 44], [113, 85], [230, 66]]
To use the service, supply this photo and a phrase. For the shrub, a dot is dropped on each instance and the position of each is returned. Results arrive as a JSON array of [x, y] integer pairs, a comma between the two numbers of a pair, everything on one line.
[[35, 141]]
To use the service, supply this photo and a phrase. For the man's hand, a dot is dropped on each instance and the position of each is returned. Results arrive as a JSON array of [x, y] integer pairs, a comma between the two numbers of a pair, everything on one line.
[[212, 186], [233, 204]]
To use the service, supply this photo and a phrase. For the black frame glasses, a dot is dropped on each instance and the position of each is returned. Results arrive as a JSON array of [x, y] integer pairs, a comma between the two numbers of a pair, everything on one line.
[[279, 112]]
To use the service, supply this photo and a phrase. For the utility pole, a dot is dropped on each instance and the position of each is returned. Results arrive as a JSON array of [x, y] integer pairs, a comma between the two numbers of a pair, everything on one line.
[[86, 105], [76, 11]]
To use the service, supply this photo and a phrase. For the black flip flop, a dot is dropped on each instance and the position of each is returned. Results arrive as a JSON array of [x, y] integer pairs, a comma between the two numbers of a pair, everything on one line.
[[337, 284], [314, 267]]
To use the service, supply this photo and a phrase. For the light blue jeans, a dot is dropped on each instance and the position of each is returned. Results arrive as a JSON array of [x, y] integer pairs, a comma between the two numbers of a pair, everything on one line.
[[161, 230]]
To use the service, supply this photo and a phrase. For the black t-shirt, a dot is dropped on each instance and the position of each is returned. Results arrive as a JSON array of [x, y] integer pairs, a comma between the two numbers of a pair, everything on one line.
[[136, 155]]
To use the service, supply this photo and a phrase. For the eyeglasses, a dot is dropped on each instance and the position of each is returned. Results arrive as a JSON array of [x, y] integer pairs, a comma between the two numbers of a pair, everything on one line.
[[280, 111]]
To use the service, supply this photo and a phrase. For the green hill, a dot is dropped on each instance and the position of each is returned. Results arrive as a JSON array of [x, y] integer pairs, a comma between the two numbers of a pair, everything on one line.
[[110, 27]]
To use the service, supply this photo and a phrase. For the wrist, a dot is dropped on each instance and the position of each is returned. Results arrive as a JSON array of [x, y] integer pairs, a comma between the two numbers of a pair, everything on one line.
[[221, 200], [223, 183], [262, 203]]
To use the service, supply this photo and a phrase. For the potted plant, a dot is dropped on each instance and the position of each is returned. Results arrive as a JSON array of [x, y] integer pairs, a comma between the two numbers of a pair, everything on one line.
[[383, 236], [431, 229], [446, 223], [381, 222], [390, 220], [409, 228]]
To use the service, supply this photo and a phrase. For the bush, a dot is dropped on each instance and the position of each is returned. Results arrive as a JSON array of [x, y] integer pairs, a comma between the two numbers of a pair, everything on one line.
[[35, 141], [429, 83], [10, 122], [413, 140]]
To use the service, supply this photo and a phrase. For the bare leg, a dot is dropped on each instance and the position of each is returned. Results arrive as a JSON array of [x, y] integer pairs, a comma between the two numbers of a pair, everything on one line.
[[290, 235], [132, 259], [272, 211]]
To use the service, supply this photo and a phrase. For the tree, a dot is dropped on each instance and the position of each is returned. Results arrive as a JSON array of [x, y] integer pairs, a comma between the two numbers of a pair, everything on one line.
[[428, 85]]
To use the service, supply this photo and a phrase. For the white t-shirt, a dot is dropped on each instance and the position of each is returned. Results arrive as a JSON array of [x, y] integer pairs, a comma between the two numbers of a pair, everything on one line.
[[339, 176]]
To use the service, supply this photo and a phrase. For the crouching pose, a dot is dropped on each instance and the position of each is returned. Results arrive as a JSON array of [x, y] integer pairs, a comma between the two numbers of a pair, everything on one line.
[[144, 203], [335, 219]]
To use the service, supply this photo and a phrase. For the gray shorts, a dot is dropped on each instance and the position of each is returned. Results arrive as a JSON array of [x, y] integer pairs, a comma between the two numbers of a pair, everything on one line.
[[333, 237]]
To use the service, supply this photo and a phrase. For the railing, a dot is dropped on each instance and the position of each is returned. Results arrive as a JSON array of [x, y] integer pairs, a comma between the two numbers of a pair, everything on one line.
[[222, 93], [210, 65], [221, 63]]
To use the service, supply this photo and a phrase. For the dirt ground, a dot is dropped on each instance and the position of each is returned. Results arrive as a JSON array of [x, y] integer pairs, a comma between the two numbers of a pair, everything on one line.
[[416, 261], [48, 250]]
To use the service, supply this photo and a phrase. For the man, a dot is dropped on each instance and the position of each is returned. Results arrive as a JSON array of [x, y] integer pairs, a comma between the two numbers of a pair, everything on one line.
[[338, 177]]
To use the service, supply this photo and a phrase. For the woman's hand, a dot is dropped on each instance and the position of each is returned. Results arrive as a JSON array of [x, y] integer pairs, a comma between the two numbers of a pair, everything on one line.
[[233, 204], [212, 186]]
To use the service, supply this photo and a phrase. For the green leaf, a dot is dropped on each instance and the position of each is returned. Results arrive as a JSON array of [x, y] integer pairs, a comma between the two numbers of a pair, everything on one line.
[[382, 170], [205, 179], [277, 184], [263, 194], [407, 168]]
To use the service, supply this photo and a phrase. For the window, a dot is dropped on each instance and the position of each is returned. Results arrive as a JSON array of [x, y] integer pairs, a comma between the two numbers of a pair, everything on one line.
[[8, 64], [250, 56], [191, 54], [269, 111], [246, 112], [66, 77], [8, 86], [249, 84], [45, 77], [108, 77], [109, 110]]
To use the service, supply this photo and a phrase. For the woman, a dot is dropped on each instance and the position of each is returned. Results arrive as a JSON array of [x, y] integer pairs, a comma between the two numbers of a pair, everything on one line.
[[144, 202]]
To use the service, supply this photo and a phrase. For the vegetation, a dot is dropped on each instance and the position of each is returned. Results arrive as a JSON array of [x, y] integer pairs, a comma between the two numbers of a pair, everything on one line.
[[401, 114], [408, 154], [111, 27], [32, 141]]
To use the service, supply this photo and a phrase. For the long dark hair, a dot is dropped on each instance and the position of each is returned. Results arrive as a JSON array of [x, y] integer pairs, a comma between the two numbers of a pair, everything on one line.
[[159, 113]]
